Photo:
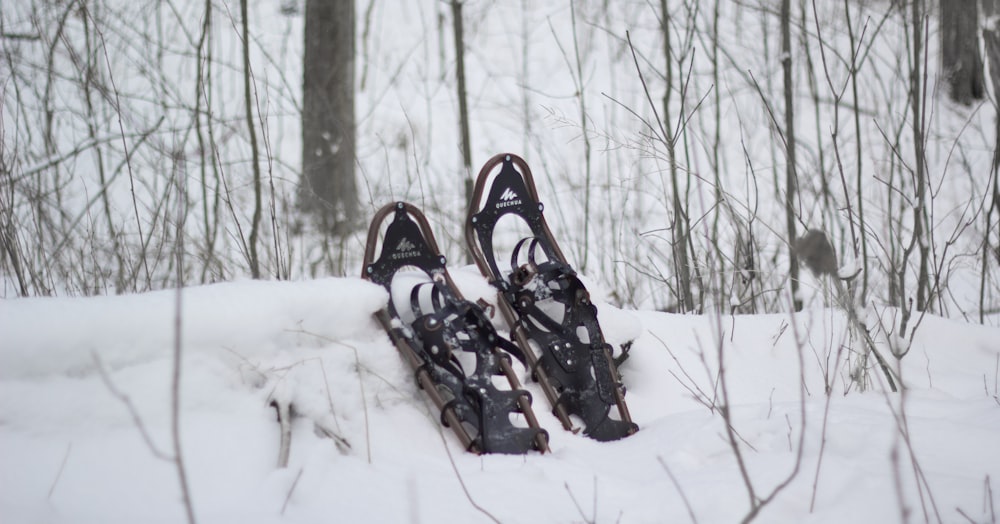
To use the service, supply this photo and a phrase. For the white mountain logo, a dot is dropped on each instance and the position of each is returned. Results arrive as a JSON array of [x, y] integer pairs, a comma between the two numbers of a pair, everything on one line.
[[405, 245], [508, 198], [405, 249]]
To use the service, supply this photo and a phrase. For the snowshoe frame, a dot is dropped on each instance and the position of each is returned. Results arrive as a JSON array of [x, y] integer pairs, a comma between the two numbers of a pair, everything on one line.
[[577, 373], [471, 405]]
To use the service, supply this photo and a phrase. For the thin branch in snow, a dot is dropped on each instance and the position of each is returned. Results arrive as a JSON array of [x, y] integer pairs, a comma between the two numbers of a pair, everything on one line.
[[989, 499], [179, 176], [59, 473], [996, 380], [329, 397], [680, 490], [461, 481], [124, 399], [694, 389], [291, 490], [361, 384], [576, 503], [904, 511]]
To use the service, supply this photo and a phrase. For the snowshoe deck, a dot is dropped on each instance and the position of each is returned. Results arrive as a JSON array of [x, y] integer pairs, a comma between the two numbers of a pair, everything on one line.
[[435, 326], [546, 304]]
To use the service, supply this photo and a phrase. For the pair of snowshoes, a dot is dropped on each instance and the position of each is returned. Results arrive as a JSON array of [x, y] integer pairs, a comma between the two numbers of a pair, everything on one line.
[[553, 325]]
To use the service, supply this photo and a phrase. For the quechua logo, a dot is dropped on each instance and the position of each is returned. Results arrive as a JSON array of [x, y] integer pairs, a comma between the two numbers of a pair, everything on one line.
[[405, 249], [508, 198]]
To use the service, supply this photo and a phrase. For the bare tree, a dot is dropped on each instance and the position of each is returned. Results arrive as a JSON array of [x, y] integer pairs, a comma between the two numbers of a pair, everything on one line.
[[991, 36], [254, 150], [680, 226], [791, 179], [918, 92], [328, 189], [961, 63], [463, 106]]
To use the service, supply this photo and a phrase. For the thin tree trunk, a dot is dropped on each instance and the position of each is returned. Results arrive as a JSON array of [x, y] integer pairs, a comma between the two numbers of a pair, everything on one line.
[[863, 236], [918, 241], [720, 203], [679, 223], [209, 214], [991, 247], [254, 152], [180, 179], [790, 175], [463, 106], [586, 141]]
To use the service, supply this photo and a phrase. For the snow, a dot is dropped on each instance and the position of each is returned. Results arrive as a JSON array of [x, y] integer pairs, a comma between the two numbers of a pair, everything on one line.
[[71, 451], [850, 269], [86, 383]]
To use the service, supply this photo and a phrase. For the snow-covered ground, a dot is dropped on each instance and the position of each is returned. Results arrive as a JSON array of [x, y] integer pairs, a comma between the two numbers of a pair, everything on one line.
[[84, 381]]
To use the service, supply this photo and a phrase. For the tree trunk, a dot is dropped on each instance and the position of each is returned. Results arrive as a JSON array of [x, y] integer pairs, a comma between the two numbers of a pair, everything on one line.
[[961, 63], [680, 226], [254, 151], [463, 106], [991, 36], [791, 180], [921, 233], [328, 189]]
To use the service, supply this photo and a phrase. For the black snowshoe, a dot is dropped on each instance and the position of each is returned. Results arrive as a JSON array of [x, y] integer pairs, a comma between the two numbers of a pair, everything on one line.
[[546, 304], [436, 328]]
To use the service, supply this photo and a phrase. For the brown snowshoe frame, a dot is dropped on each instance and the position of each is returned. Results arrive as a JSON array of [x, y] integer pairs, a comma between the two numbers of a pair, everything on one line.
[[579, 377], [470, 405]]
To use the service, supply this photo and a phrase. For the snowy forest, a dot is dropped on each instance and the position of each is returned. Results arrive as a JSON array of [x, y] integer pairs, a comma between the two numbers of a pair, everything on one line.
[[186, 188]]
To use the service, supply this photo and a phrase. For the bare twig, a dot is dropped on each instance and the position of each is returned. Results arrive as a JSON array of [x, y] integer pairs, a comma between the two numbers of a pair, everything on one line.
[[62, 466], [725, 410], [361, 385], [180, 179], [576, 503], [680, 489], [989, 499], [291, 490], [461, 482], [762, 502], [697, 393], [283, 409], [133, 412]]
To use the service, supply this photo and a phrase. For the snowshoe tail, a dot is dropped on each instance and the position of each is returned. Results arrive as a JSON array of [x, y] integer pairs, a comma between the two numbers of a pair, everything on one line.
[[436, 326], [546, 304]]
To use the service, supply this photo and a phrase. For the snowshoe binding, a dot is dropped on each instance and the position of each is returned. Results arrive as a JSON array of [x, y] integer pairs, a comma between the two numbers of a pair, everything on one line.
[[436, 329], [546, 305]]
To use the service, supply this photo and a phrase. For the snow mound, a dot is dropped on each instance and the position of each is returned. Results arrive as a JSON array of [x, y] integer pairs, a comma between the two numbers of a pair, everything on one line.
[[44, 336], [82, 443]]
